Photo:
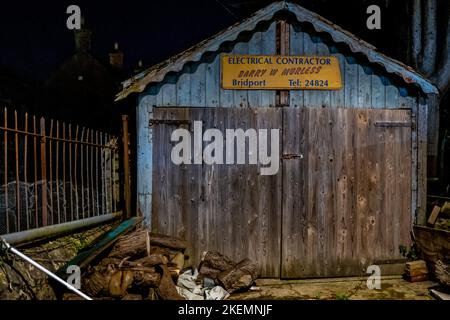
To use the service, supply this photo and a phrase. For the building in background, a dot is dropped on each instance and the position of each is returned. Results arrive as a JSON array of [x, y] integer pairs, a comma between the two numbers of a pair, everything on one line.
[[82, 89]]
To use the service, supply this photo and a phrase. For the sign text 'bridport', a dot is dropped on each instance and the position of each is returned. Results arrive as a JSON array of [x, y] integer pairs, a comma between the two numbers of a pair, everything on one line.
[[280, 72]]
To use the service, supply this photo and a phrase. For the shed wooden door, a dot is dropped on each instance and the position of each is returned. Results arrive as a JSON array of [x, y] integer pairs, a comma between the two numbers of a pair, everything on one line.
[[229, 208], [347, 195], [340, 201]]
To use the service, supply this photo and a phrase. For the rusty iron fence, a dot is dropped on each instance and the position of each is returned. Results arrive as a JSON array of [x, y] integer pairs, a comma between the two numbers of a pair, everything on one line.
[[53, 172]]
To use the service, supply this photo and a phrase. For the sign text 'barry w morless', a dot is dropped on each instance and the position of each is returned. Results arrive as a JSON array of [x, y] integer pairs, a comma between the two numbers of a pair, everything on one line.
[[280, 72]]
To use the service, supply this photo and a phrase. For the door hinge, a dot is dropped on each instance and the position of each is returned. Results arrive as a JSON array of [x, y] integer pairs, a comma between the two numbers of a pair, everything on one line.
[[289, 156], [390, 124], [169, 122]]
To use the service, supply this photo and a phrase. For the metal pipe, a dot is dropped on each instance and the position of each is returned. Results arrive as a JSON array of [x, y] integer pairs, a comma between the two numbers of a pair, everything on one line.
[[58, 229], [38, 266]]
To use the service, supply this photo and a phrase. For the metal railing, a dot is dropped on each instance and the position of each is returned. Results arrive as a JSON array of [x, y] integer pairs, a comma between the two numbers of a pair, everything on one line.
[[53, 172]]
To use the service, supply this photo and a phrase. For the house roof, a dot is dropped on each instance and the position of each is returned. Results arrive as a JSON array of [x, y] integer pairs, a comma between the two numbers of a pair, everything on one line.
[[156, 73]]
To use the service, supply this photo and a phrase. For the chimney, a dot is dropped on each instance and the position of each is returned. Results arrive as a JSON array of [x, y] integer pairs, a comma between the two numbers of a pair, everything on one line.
[[83, 38], [116, 57], [139, 67]]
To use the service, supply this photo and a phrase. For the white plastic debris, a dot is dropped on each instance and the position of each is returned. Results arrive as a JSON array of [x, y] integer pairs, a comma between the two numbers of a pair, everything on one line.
[[187, 279], [188, 288], [216, 293], [188, 294]]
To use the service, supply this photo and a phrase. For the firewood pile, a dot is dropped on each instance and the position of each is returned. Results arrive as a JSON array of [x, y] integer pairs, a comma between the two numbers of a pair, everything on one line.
[[443, 272], [143, 266]]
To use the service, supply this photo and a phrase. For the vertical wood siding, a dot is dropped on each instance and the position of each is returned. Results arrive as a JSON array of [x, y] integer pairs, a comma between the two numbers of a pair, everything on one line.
[[365, 86]]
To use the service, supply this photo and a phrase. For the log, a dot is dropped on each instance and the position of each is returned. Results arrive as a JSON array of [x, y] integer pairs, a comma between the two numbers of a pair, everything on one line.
[[152, 295], [433, 245], [446, 208], [416, 271], [134, 245], [167, 289], [132, 297], [216, 260], [152, 260], [178, 261], [94, 283], [241, 276], [207, 272], [169, 242], [443, 272], [414, 265], [147, 278], [434, 215], [418, 278], [166, 252], [71, 296], [119, 283]]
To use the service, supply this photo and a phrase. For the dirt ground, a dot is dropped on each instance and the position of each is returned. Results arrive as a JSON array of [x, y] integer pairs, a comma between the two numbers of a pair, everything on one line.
[[392, 288]]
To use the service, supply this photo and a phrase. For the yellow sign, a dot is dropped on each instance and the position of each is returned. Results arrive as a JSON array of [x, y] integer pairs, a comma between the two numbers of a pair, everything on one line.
[[280, 72]]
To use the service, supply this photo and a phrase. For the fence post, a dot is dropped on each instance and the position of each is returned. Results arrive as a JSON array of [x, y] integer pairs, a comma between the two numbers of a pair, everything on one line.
[[43, 173], [126, 167]]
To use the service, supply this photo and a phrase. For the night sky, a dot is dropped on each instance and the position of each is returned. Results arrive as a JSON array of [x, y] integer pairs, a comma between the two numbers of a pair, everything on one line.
[[34, 39]]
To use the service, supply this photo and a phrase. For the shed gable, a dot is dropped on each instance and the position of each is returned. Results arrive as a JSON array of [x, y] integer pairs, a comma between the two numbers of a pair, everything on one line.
[[366, 85]]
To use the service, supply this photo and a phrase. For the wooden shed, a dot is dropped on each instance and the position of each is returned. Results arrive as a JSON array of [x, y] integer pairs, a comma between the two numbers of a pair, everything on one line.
[[352, 173]]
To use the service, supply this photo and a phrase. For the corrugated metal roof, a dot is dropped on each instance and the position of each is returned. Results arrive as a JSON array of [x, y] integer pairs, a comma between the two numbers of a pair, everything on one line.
[[157, 73]]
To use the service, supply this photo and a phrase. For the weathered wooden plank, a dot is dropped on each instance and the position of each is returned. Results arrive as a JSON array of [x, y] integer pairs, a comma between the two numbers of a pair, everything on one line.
[[364, 86], [422, 126], [241, 96], [269, 47], [169, 91], [310, 48], [198, 83], [351, 82], [433, 117], [337, 97], [329, 187], [404, 179], [312, 247], [378, 93], [212, 86], [392, 95], [144, 113], [323, 96], [271, 206], [376, 215], [283, 32], [296, 48], [344, 162], [255, 47], [295, 224], [184, 87], [414, 166]]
